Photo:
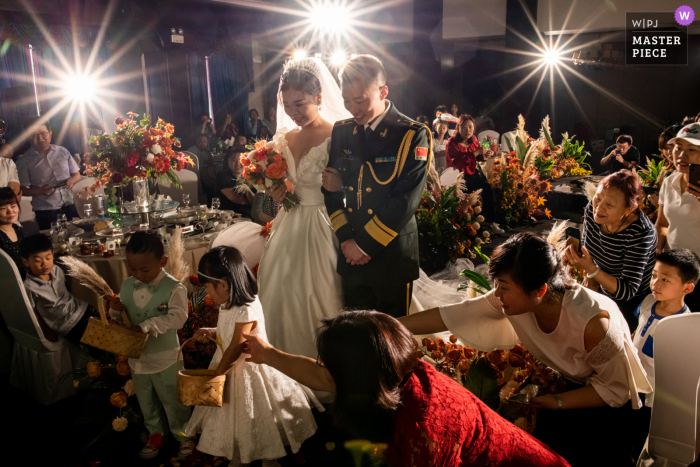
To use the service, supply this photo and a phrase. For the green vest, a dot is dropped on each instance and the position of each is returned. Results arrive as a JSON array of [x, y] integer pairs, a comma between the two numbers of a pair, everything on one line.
[[161, 296]]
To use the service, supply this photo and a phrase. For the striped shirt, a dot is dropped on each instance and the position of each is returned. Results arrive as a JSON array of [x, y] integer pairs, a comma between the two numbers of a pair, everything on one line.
[[628, 255]]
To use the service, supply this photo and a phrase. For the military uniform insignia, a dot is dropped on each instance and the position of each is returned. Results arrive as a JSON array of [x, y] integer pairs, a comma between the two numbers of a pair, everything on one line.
[[421, 154], [347, 154], [384, 159], [354, 131], [383, 133]]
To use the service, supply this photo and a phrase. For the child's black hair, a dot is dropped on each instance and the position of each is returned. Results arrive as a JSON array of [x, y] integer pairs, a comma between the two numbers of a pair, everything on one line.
[[226, 263], [144, 242], [7, 196], [38, 243], [687, 263]]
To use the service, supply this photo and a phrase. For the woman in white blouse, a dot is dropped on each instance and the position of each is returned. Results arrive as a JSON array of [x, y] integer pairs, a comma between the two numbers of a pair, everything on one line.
[[573, 330], [440, 145], [678, 222]]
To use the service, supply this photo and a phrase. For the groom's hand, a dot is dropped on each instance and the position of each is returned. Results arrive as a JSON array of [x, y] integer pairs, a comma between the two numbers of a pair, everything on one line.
[[353, 254], [331, 180]]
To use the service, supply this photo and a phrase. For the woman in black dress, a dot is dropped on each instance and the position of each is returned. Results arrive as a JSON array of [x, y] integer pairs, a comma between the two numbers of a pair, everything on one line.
[[11, 234]]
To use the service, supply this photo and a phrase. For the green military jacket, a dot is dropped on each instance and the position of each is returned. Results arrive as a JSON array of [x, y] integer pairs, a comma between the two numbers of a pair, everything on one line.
[[383, 181]]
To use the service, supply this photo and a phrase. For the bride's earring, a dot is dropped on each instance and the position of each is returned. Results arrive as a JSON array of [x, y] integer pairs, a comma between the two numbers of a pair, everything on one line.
[[320, 106]]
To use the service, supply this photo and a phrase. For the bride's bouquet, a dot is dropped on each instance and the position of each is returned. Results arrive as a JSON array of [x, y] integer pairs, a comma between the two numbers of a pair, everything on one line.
[[265, 167]]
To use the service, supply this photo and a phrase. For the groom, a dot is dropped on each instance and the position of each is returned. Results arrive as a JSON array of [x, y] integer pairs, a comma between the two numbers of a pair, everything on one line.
[[375, 178]]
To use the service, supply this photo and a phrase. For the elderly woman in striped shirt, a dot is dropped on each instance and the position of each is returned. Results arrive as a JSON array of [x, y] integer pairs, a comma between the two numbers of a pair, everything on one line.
[[618, 244]]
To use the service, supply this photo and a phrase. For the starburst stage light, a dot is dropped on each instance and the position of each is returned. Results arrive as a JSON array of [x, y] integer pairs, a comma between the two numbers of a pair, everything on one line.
[[79, 88], [299, 54], [551, 56], [330, 17], [338, 58]]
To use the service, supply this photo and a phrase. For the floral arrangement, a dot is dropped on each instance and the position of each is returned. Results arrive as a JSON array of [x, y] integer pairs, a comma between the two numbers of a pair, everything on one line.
[[265, 166], [519, 192], [653, 176], [135, 150], [202, 312], [449, 226]]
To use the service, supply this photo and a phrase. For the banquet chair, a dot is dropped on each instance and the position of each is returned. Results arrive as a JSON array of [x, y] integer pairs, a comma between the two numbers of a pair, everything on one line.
[[194, 158], [449, 176], [190, 182], [82, 200], [27, 217], [201, 193], [673, 439], [39, 368], [244, 236], [511, 137], [493, 134]]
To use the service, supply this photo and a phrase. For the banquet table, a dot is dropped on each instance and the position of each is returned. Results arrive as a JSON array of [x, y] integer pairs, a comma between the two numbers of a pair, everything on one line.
[[114, 270]]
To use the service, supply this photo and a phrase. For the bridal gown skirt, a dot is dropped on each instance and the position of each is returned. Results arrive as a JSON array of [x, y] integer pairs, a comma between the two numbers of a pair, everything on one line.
[[298, 282]]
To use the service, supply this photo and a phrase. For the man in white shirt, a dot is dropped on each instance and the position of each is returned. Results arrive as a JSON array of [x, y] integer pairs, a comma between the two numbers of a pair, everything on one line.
[[47, 173]]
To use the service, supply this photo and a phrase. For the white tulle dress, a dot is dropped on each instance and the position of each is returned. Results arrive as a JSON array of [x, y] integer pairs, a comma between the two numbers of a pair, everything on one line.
[[297, 277], [263, 410]]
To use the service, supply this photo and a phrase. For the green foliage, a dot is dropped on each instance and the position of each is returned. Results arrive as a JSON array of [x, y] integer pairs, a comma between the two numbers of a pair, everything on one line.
[[478, 279], [520, 149], [544, 165], [572, 149], [549, 138], [483, 382], [654, 173]]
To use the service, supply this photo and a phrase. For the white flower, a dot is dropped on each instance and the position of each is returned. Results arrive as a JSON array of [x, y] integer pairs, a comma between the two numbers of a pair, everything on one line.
[[486, 234], [270, 145], [263, 164], [129, 388], [508, 390], [477, 209], [480, 218], [150, 157], [120, 424], [156, 149], [476, 226], [478, 241], [268, 183]]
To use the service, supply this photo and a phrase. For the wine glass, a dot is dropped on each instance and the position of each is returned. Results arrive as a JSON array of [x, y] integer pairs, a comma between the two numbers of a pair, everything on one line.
[[87, 209], [62, 221], [186, 199], [215, 203], [118, 235]]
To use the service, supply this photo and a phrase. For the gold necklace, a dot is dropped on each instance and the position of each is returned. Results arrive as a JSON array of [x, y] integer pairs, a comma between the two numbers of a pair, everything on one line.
[[624, 218]]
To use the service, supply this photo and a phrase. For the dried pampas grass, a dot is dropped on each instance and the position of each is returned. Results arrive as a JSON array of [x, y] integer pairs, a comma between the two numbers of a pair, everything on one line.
[[473, 197], [589, 188], [520, 130], [460, 187], [87, 276], [557, 236], [177, 267]]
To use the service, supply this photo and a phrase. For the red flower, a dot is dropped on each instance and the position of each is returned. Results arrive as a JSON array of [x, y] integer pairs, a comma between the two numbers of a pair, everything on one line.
[[130, 172], [161, 164], [260, 155], [209, 302], [194, 280], [132, 159], [244, 160], [119, 120], [117, 178]]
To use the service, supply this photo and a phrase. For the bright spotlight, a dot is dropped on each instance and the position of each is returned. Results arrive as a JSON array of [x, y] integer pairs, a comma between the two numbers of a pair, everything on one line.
[[338, 58], [79, 88], [299, 54], [330, 17], [551, 56]]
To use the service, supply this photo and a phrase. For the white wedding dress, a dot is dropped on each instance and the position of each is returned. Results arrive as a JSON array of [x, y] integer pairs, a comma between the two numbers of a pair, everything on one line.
[[297, 278]]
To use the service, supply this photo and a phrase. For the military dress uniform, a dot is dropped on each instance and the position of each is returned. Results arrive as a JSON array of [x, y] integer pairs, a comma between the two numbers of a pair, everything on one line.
[[384, 176]]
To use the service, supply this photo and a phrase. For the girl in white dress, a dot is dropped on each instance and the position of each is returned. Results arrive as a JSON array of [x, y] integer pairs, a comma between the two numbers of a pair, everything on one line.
[[263, 409], [299, 285]]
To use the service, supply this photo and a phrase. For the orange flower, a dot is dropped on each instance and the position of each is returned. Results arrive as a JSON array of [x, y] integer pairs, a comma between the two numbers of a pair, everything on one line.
[[209, 302], [277, 157], [161, 164], [120, 358], [194, 280], [123, 368], [266, 230], [260, 155], [244, 160], [93, 370], [290, 186], [275, 170], [260, 145], [548, 213], [118, 399]]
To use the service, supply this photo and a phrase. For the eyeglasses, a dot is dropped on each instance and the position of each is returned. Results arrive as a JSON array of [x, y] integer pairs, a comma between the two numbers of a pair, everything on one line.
[[43, 135], [319, 362]]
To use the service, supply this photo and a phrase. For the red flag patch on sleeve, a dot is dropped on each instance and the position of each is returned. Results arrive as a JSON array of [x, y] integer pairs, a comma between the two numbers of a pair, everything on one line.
[[421, 154]]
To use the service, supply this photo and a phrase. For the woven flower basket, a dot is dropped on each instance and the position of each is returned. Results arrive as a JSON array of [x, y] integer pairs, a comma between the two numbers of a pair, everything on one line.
[[200, 387], [113, 337]]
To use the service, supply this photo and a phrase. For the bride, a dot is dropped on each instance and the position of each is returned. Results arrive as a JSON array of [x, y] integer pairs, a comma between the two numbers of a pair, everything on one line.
[[299, 285]]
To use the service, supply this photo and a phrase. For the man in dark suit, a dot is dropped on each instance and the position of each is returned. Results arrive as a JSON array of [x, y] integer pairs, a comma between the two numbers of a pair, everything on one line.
[[375, 178]]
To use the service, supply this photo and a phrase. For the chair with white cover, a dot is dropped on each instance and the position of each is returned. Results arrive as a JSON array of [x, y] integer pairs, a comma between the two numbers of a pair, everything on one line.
[[27, 217], [244, 236], [673, 434], [449, 176], [189, 181], [80, 196], [511, 137], [493, 134], [39, 367]]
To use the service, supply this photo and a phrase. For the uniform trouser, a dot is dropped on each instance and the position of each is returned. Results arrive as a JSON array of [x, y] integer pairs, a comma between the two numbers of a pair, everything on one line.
[[394, 301], [157, 395]]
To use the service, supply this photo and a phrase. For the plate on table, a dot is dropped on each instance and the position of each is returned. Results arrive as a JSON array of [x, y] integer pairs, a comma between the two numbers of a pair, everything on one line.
[[89, 223], [110, 232]]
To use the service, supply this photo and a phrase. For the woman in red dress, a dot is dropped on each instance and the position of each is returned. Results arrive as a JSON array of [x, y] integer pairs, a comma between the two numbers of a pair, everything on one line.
[[463, 151], [385, 393]]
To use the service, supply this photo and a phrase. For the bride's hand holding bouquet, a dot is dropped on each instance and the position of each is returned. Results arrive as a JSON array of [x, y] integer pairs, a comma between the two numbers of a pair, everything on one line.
[[265, 168]]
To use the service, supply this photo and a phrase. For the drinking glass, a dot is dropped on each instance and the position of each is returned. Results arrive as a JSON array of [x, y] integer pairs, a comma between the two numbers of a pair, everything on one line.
[[87, 209], [215, 203], [62, 220], [186, 199], [118, 235], [144, 226]]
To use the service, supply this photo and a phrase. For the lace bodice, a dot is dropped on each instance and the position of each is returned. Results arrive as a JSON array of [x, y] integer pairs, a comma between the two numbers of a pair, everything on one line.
[[306, 177]]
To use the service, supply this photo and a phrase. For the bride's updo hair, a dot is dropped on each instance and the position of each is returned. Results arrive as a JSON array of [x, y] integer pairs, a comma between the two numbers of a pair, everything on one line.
[[300, 80]]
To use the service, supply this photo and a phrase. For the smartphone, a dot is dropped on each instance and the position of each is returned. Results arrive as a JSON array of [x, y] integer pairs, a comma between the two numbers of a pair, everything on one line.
[[575, 234], [694, 174]]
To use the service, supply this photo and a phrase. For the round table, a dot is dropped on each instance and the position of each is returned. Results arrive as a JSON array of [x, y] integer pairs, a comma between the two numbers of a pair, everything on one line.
[[114, 270], [132, 209]]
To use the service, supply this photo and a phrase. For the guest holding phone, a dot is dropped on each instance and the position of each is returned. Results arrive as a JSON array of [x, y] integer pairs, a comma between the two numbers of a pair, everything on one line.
[[46, 173], [678, 224]]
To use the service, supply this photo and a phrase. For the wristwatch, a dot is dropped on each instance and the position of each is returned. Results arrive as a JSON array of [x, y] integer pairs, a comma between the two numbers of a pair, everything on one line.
[[559, 404]]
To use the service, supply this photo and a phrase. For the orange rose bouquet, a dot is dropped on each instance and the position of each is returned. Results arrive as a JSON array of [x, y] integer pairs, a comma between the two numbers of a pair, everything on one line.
[[265, 166]]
